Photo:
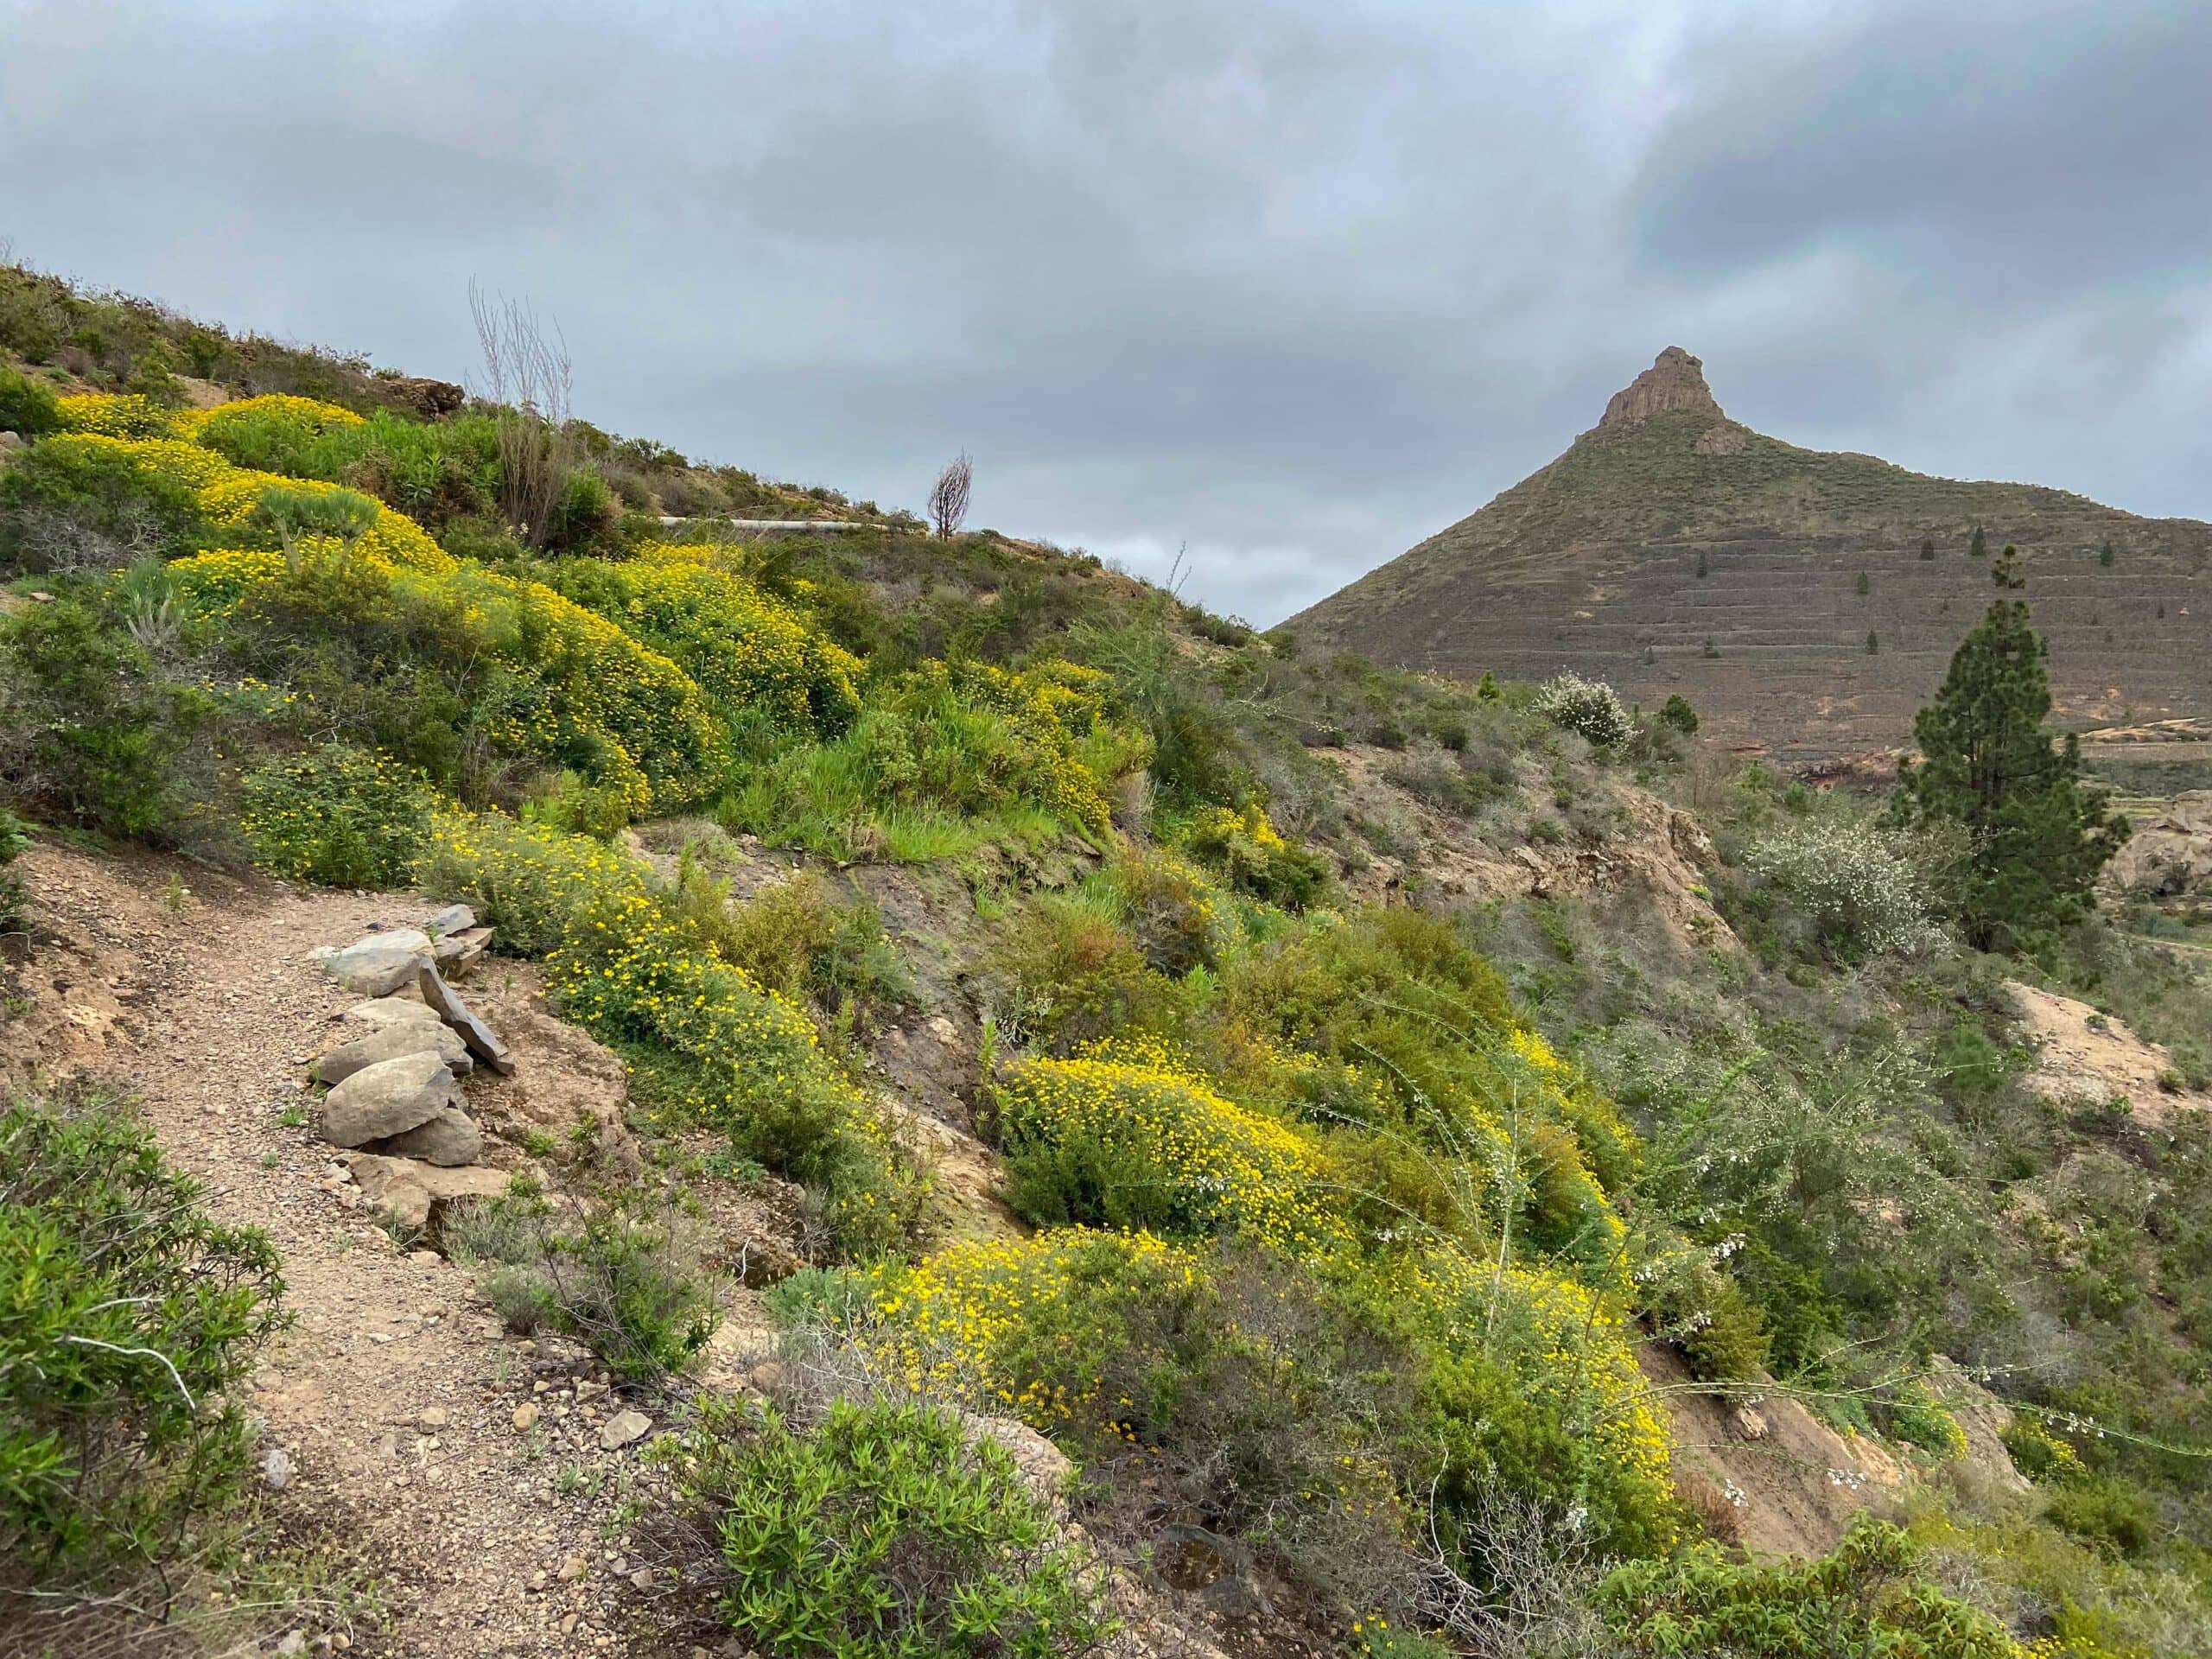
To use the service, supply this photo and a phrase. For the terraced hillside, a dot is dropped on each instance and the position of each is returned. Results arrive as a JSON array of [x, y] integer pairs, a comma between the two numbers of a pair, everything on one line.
[[1802, 601]]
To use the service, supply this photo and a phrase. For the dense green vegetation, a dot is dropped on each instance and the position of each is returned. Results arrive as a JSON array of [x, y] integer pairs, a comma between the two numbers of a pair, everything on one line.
[[1353, 1198], [127, 1318]]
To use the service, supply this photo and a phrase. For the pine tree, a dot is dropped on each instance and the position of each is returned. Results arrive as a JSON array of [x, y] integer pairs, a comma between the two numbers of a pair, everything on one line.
[[1928, 547], [2105, 555], [1873, 644], [2034, 838], [1981, 541]]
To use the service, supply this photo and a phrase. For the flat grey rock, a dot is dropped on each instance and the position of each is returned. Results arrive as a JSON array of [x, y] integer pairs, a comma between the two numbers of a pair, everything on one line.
[[375, 967], [390, 1042], [446, 1001], [449, 1139], [389, 1098], [380, 1012], [450, 920]]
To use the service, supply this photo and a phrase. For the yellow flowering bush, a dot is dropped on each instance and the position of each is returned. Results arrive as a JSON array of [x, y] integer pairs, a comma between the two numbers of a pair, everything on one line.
[[1574, 1343], [575, 690], [1128, 1138], [115, 414], [1252, 856], [341, 817], [229, 499], [715, 1047], [1017, 1324], [226, 423], [745, 648]]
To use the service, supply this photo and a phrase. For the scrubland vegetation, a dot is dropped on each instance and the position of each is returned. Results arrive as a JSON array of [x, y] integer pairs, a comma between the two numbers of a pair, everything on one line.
[[1346, 1215]]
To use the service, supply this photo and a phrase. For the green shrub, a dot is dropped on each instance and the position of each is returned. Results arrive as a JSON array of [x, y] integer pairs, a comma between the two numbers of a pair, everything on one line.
[[1253, 857], [573, 805], [129, 1322], [1072, 975], [1677, 716], [797, 938], [15, 840], [1913, 1414], [2108, 1512], [342, 817], [67, 506], [626, 1281], [25, 405], [88, 729], [945, 758], [889, 1532], [1867, 1598]]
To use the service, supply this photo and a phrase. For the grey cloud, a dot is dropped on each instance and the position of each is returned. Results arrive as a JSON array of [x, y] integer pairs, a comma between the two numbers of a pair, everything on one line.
[[1294, 284]]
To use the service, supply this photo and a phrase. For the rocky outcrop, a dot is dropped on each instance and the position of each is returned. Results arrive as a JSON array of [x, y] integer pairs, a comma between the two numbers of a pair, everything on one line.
[[2170, 855], [1675, 380]]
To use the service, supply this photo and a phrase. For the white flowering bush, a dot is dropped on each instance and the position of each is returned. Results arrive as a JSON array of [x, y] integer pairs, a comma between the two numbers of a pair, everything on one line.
[[1857, 887], [1591, 708]]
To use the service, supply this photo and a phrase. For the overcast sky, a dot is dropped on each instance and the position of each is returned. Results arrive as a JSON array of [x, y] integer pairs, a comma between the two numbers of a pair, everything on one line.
[[1295, 282]]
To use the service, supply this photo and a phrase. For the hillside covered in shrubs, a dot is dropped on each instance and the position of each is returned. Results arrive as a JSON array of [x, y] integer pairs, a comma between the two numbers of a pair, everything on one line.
[[1378, 1069]]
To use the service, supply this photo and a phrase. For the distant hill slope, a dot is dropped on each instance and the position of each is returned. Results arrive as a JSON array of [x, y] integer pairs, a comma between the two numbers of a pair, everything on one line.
[[1671, 549]]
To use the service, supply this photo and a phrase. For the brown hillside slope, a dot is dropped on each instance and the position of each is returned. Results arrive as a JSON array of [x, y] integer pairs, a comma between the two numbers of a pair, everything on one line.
[[1592, 563]]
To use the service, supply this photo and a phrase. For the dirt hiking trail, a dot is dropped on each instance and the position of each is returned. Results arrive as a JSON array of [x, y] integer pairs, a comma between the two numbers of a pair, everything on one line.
[[462, 1469]]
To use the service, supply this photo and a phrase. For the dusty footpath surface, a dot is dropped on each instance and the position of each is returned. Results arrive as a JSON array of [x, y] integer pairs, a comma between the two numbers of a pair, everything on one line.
[[394, 1396]]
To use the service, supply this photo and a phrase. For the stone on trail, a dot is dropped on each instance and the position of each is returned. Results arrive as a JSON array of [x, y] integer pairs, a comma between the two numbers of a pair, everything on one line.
[[454, 951], [382, 1011], [415, 1194], [389, 1098], [446, 1002], [453, 918], [622, 1428], [401, 1037], [379, 965], [450, 1139]]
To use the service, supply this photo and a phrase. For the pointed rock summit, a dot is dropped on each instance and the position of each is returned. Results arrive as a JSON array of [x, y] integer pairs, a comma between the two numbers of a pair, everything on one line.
[[1675, 380]]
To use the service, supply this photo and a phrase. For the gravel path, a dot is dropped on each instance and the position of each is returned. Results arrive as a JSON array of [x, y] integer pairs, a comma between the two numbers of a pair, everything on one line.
[[395, 1395]]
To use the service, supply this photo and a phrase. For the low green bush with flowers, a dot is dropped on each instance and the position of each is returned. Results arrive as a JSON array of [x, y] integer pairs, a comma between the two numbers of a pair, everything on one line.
[[886, 1530], [709, 1044], [944, 759], [341, 816]]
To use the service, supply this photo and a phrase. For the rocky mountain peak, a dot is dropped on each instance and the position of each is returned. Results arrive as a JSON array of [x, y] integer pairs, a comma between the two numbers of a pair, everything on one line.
[[1675, 380]]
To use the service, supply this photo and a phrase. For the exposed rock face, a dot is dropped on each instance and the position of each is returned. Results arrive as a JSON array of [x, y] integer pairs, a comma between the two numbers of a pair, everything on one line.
[[388, 1098], [2172, 855], [426, 397], [1675, 380]]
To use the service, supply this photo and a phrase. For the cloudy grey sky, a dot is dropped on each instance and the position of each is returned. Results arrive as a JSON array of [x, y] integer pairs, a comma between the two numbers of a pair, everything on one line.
[[1296, 282]]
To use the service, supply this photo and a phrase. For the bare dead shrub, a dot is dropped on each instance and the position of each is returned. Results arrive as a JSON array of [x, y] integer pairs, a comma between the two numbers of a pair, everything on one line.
[[526, 372], [949, 495]]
